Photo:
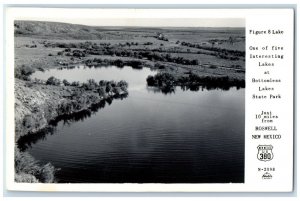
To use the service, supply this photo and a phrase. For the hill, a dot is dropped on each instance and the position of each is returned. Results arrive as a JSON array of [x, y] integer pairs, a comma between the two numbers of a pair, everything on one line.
[[56, 30]]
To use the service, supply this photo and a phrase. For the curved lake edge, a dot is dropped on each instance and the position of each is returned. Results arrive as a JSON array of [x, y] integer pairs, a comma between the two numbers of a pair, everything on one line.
[[69, 101], [32, 132]]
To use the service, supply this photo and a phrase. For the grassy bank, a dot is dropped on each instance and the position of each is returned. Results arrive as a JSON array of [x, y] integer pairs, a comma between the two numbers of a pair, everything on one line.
[[38, 105], [28, 170]]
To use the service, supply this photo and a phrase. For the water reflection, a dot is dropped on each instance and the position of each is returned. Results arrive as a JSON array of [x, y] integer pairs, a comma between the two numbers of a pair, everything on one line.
[[27, 141], [30, 139], [81, 115], [208, 87], [153, 136], [172, 90]]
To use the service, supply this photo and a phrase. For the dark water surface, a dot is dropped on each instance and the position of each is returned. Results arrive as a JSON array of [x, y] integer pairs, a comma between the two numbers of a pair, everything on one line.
[[183, 137]]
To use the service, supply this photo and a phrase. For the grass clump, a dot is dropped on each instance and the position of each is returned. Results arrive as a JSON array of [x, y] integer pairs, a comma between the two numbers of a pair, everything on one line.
[[28, 170]]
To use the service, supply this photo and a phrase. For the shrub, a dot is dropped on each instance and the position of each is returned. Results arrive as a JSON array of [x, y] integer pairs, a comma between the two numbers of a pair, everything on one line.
[[53, 81], [158, 65], [150, 80], [135, 64], [194, 62], [123, 85], [75, 84], [78, 53], [90, 85], [108, 87], [148, 43], [119, 63], [102, 83], [101, 91], [93, 83], [23, 72], [66, 83], [41, 69], [28, 170]]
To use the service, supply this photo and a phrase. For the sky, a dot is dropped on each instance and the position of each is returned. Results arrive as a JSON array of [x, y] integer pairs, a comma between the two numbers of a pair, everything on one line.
[[179, 22], [135, 17]]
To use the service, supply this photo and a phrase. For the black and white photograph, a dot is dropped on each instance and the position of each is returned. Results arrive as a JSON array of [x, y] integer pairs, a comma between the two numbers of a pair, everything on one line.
[[129, 101], [130, 104]]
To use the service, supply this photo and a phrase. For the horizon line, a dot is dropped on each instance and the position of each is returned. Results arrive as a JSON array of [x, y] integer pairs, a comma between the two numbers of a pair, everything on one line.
[[127, 26]]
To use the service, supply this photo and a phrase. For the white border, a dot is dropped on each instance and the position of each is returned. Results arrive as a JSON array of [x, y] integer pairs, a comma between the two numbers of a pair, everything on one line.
[[14, 13]]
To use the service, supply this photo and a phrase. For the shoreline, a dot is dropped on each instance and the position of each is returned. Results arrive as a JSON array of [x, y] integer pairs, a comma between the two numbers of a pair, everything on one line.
[[32, 117]]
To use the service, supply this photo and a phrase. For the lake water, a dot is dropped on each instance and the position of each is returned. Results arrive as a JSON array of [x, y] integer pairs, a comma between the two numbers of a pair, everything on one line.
[[148, 137]]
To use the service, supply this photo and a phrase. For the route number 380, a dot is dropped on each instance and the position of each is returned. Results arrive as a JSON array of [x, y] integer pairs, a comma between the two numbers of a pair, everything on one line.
[[265, 152]]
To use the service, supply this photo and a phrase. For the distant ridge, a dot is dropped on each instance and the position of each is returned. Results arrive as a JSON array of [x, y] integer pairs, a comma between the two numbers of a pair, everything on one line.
[[46, 29], [55, 29]]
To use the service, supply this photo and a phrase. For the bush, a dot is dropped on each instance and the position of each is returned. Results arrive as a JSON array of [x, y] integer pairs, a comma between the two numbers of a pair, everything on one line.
[[41, 69], [66, 83], [119, 63], [75, 84], [23, 72], [160, 66], [108, 87], [148, 43], [53, 81], [194, 62], [150, 80], [78, 53], [123, 85], [102, 83], [90, 85], [101, 91], [28, 170]]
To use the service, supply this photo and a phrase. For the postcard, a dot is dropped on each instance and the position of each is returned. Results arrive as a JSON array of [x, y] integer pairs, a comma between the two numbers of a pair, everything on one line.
[[149, 100]]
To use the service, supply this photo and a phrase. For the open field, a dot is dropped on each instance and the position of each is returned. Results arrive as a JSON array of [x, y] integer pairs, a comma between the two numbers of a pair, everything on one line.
[[203, 51]]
